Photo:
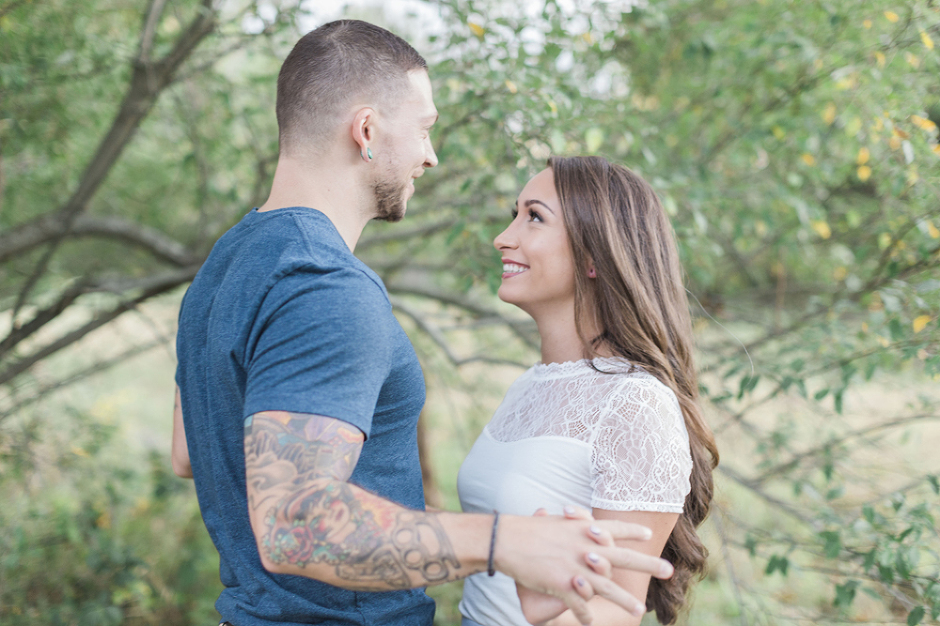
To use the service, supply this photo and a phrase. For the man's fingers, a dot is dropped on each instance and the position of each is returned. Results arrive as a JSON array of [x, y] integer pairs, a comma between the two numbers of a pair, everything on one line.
[[626, 558], [606, 588]]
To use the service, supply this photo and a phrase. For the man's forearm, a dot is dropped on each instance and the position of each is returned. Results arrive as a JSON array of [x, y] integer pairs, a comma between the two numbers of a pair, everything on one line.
[[342, 534], [310, 521]]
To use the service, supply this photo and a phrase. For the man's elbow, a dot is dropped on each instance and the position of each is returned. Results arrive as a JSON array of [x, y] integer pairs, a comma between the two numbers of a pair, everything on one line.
[[181, 467]]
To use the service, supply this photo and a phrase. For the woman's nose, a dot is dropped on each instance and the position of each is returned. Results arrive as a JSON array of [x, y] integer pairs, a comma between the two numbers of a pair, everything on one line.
[[504, 240]]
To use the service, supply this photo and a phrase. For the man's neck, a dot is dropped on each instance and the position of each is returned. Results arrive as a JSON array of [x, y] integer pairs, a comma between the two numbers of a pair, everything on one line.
[[329, 185]]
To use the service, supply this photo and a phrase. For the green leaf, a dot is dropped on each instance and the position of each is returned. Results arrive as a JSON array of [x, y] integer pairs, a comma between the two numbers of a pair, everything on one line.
[[777, 563], [593, 138], [845, 594], [832, 543], [934, 483], [915, 616]]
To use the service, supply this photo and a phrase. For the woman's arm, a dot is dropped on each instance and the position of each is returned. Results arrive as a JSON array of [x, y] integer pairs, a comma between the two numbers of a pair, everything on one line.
[[549, 611]]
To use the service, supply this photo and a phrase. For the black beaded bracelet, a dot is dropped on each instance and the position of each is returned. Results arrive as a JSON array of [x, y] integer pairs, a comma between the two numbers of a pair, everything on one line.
[[490, 566]]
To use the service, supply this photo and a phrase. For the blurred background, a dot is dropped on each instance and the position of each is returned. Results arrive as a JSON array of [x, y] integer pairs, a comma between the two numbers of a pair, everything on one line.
[[794, 145]]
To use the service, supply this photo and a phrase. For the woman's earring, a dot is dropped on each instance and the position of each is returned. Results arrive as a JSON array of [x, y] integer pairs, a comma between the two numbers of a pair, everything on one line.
[[369, 153], [592, 273]]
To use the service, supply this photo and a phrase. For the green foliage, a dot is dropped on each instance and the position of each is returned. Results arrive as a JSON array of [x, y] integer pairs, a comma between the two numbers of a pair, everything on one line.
[[100, 539], [794, 146]]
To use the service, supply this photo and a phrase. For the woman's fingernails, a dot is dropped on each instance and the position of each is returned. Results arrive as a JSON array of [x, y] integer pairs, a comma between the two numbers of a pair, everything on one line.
[[639, 610], [593, 558], [595, 530], [666, 570], [647, 533], [580, 581], [569, 510]]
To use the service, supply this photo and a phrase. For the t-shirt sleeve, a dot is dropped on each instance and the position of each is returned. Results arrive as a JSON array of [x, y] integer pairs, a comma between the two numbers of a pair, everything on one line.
[[320, 345], [641, 459]]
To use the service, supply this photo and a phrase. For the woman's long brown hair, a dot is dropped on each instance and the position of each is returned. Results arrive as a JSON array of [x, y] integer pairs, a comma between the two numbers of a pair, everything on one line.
[[616, 223]]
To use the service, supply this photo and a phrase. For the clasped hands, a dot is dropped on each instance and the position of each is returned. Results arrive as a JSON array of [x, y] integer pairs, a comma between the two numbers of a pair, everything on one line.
[[564, 564]]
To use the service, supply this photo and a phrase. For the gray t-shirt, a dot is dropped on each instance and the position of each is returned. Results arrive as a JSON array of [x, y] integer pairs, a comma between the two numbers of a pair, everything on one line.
[[283, 317]]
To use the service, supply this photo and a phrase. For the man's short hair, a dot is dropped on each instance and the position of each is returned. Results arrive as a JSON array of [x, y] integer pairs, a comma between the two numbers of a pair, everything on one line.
[[332, 66]]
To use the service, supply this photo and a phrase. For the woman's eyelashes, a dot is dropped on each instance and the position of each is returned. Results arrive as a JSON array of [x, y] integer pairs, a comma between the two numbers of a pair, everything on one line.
[[532, 214]]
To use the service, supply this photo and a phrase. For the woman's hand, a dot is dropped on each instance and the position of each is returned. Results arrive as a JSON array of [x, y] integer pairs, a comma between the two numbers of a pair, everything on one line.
[[539, 608]]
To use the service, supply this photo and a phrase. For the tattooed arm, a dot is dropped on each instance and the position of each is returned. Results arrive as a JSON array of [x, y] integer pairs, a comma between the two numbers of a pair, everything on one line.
[[309, 520], [179, 455]]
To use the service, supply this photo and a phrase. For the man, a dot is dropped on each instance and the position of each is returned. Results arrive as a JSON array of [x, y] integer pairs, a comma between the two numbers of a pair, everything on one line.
[[300, 392]]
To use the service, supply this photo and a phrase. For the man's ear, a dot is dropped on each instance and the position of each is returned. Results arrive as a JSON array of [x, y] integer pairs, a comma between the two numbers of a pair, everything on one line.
[[363, 131]]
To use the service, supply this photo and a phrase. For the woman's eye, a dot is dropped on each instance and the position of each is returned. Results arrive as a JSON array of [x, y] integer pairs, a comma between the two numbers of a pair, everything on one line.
[[534, 216], [515, 214]]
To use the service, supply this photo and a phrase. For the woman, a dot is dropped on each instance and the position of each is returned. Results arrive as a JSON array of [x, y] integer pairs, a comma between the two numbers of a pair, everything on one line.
[[609, 419]]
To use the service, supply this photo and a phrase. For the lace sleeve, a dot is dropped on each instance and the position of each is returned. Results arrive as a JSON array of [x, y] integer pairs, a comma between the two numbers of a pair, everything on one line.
[[641, 459]]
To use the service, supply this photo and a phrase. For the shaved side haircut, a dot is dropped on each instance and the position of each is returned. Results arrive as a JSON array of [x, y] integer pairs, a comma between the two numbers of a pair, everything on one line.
[[332, 66]]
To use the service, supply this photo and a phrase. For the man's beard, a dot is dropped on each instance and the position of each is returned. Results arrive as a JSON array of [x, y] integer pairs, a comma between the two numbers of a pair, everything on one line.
[[389, 200]]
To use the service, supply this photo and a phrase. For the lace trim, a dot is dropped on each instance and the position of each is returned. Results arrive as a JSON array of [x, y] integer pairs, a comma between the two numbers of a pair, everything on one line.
[[633, 423]]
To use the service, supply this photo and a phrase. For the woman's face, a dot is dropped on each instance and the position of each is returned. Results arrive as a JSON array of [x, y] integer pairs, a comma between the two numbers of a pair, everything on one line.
[[538, 269]]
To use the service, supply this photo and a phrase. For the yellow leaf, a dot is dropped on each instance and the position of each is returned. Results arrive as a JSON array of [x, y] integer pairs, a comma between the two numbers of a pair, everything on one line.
[[809, 159], [511, 86], [912, 176], [891, 16], [864, 327], [880, 58], [867, 23], [864, 173], [922, 123], [884, 342], [933, 231], [900, 133], [912, 59], [553, 107], [884, 240], [103, 521], [829, 114], [928, 42], [79, 452], [778, 132], [822, 228], [920, 322], [936, 149], [863, 155], [477, 30], [588, 37], [895, 143], [840, 273]]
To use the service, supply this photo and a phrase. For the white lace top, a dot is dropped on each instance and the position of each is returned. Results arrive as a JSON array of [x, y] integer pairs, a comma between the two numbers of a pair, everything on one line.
[[568, 434]]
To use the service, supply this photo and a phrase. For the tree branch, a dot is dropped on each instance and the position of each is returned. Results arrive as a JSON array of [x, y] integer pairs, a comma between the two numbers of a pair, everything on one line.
[[51, 226], [438, 337], [148, 80], [153, 286], [79, 376], [522, 329]]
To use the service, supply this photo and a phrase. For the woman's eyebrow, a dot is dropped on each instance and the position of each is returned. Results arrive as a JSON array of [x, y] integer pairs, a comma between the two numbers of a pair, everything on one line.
[[529, 203]]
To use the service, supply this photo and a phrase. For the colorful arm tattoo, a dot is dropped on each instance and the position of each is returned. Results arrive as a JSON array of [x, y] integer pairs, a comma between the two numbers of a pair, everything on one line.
[[297, 466]]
